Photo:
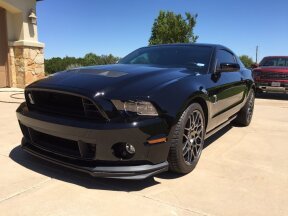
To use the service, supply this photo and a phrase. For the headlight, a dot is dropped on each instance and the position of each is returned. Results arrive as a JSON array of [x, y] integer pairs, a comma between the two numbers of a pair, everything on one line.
[[139, 107], [256, 75]]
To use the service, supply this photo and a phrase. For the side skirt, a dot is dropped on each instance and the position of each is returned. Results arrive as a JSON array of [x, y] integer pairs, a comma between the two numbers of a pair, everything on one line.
[[210, 133]]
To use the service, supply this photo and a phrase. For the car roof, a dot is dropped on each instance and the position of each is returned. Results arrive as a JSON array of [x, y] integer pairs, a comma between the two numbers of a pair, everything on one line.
[[276, 57], [215, 46], [188, 44]]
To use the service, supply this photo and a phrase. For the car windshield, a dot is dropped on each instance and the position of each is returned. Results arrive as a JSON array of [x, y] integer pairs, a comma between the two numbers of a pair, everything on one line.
[[275, 61], [196, 58]]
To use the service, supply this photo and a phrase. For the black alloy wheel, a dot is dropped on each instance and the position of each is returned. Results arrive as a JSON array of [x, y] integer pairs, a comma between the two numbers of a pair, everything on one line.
[[187, 140]]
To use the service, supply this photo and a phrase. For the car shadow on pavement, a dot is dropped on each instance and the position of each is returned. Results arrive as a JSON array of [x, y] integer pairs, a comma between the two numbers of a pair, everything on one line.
[[208, 142], [218, 134], [85, 180], [272, 96]]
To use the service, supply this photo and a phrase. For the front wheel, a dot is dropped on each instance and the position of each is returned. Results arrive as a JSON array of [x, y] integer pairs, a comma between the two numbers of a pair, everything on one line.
[[187, 139]]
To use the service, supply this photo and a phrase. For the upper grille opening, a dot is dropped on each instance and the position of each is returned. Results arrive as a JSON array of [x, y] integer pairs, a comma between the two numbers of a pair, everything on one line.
[[63, 104], [274, 75], [90, 109]]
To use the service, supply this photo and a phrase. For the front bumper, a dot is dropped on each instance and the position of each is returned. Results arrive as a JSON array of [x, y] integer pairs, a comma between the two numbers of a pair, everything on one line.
[[120, 172], [267, 87], [102, 161], [273, 89]]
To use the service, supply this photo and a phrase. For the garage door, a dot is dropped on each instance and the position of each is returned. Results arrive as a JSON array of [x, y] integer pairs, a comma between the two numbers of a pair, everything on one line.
[[3, 49]]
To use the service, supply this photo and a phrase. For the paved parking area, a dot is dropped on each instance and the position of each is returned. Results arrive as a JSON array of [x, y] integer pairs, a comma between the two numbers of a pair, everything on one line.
[[242, 171]]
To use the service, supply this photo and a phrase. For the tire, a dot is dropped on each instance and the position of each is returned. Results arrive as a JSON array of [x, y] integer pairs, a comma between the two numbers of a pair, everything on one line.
[[187, 139], [245, 115]]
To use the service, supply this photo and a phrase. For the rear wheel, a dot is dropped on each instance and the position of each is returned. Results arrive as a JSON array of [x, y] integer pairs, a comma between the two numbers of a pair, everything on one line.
[[187, 140], [258, 92], [244, 117]]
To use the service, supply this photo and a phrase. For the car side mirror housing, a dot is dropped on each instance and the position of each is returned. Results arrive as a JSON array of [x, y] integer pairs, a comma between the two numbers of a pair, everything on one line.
[[228, 67], [254, 66]]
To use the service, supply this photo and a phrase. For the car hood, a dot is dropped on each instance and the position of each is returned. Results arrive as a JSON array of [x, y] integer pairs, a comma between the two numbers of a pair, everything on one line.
[[272, 69], [113, 80]]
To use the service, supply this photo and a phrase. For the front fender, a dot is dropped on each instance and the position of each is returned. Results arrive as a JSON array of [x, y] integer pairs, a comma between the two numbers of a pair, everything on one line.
[[173, 99]]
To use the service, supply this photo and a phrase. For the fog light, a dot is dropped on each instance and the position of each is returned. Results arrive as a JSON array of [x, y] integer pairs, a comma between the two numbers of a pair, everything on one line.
[[123, 150], [130, 148]]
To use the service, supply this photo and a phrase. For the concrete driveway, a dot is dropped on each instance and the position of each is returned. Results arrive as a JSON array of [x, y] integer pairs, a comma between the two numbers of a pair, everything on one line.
[[242, 171]]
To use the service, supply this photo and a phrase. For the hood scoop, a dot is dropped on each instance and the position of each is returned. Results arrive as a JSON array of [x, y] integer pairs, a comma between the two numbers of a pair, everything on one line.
[[105, 73]]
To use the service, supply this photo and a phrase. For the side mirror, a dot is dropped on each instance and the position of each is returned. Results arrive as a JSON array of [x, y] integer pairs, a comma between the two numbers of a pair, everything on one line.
[[254, 66], [228, 67]]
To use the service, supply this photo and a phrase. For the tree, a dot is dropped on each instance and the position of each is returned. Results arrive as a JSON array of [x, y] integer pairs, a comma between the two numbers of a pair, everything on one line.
[[173, 28], [59, 64], [246, 60], [91, 59]]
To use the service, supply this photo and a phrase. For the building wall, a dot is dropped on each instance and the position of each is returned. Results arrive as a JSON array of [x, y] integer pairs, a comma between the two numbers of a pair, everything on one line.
[[26, 53], [20, 28], [12, 32]]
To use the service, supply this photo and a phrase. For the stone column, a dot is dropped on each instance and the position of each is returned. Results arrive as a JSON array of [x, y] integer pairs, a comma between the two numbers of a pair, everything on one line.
[[26, 65]]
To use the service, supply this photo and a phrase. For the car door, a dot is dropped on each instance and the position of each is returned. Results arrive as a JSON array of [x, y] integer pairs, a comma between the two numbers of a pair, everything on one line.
[[228, 90]]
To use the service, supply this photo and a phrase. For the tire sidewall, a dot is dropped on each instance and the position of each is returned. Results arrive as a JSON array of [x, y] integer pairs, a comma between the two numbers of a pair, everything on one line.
[[249, 119], [184, 166]]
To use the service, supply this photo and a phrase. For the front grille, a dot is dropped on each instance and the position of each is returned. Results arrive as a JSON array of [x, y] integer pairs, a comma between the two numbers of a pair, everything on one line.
[[91, 111], [63, 104], [274, 75]]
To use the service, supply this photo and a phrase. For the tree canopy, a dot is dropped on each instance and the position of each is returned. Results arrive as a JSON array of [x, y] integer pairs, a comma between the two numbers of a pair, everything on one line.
[[59, 64], [169, 27], [246, 60]]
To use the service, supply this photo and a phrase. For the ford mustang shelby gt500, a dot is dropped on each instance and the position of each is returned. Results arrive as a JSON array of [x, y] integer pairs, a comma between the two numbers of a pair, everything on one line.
[[146, 114]]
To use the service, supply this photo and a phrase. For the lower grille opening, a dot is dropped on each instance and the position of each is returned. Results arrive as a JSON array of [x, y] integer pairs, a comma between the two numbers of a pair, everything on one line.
[[55, 144], [25, 131], [61, 146]]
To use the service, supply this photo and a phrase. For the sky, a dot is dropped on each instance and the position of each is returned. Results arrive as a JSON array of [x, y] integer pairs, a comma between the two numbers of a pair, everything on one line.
[[75, 28]]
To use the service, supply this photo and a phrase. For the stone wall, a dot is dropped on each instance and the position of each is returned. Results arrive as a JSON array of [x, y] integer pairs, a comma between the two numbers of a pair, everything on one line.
[[26, 65]]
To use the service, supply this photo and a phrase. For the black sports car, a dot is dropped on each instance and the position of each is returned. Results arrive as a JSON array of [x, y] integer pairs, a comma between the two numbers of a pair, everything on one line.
[[146, 114]]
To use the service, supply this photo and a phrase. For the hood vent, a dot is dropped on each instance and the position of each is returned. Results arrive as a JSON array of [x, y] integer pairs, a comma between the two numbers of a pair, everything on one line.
[[106, 73]]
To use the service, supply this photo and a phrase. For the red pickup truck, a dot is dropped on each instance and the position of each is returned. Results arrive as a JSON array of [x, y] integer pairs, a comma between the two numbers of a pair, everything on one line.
[[271, 75]]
